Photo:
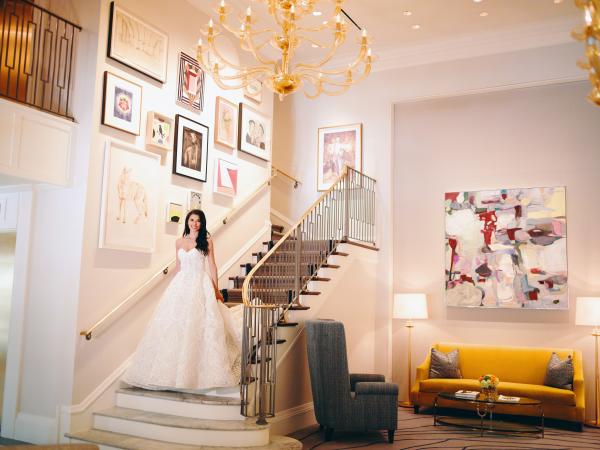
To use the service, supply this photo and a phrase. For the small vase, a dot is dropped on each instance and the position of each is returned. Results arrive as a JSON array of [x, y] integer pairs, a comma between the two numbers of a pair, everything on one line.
[[490, 393]]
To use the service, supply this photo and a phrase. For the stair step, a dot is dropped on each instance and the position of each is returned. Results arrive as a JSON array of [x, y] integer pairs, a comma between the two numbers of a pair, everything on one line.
[[180, 404], [298, 308], [237, 292], [331, 266], [111, 440], [276, 235], [267, 277], [181, 430], [278, 228], [287, 324]]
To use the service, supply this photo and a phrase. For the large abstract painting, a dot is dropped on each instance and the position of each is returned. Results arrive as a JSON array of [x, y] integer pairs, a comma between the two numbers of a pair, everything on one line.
[[507, 248]]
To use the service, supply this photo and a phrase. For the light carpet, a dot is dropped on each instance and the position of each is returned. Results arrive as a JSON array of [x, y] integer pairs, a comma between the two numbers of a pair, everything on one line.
[[417, 432]]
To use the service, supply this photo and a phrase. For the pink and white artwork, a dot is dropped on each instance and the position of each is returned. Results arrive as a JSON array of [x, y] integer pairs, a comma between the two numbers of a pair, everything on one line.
[[507, 248], [226, 177]]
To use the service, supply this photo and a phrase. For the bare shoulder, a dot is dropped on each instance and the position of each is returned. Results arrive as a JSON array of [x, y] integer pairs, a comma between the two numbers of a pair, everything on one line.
[[210, 243], [178, 243]]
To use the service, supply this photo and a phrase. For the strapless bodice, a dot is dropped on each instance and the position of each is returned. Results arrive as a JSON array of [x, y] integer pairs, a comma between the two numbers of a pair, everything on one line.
[[191, 261]]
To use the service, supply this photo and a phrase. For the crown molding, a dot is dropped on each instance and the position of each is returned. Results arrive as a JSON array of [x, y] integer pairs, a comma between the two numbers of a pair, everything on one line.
[[545, 34]]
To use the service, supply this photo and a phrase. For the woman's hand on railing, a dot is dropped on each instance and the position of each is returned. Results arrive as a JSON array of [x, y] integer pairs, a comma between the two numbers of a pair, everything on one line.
[[219, 296]]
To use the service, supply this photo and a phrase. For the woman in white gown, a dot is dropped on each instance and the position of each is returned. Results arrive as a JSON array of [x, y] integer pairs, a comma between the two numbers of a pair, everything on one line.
[[193, 340]]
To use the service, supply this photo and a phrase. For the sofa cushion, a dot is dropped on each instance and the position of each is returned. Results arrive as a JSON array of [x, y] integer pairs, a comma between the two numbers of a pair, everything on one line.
[[559, 373], [539, 392], [444, 365]]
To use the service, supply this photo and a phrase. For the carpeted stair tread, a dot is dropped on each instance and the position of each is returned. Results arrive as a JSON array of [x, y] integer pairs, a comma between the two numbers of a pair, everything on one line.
[[278, 228], [127, 442], [181, 396], [180, 422]]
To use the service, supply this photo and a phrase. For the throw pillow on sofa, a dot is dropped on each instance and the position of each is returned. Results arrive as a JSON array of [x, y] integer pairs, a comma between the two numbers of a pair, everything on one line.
[[444, 365], [559, 373]]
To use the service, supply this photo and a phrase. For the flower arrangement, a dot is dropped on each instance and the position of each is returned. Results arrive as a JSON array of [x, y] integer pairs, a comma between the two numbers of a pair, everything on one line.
[[489, 381]]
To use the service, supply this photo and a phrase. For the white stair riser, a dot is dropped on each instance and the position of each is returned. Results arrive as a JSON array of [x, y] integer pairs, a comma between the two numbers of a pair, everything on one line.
[[222, 438], [177, 408], [100, 446]]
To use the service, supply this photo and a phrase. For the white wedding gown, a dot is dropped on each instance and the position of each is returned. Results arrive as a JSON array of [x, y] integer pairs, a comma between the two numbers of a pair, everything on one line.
[[193, 341]]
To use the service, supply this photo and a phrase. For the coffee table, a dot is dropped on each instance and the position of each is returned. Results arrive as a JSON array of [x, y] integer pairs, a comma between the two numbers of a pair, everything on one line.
[[484, 407]]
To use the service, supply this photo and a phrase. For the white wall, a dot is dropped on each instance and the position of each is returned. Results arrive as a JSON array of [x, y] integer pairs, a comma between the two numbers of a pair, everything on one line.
[[539, 136], [371, 103], [108, 276]]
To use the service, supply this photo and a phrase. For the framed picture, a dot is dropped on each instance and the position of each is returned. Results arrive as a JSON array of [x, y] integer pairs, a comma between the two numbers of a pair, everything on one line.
[[226, 122], [191, 148], [338, 146], [253, 91], [254, 133], [507, 248], [159, 131], [195, 200], [226, 177], [129, 198], [175, 212], [137, 44], [121, 104], [190, 83]]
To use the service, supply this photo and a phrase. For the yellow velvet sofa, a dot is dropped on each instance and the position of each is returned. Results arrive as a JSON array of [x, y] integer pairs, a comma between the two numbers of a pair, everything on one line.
[[521, 371]]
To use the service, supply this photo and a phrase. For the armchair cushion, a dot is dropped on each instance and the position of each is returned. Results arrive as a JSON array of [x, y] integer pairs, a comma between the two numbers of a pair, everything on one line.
[[356, 377], [376, 388]]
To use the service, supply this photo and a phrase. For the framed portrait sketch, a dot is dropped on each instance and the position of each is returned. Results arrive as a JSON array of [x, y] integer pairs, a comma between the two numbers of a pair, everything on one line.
[[190, 156], [254, 133], [338, 147], [121, 104], [195, 200], [226, 122], [137, 44], [159, 131], [129, 198], [190, 83], [254, 91], [226, 177]]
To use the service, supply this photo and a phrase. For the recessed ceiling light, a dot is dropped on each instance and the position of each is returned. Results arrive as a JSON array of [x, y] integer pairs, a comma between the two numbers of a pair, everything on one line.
[[314, 46], [483, 14], [556, 2], [317, 13], [416, 27], [477, 1], [325, 22], [407, 13]]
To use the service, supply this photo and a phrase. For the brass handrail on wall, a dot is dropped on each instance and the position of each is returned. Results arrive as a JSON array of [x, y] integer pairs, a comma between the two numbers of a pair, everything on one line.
[[274, 286], [136, 295], [287, 175]]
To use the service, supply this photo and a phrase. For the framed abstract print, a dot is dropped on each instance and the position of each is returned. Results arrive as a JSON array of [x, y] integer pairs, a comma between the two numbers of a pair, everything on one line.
[[225, 177], [175, 212], [159, 131], [190, 83], [338, 146], [190, 156], [254, 133], [121, 104], [137, 44], [195, 200], [226, 122], [129, 198]]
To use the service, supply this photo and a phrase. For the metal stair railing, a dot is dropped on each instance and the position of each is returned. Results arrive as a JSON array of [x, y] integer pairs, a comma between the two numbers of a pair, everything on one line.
[[344, 212]]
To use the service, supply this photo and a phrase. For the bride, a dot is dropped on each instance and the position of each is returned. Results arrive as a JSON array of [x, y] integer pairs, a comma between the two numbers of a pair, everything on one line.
[[193, 340]]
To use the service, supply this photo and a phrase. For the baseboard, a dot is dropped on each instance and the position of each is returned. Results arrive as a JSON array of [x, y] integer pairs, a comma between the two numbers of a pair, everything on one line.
[[293, 419], [35, 429], [283, 217]]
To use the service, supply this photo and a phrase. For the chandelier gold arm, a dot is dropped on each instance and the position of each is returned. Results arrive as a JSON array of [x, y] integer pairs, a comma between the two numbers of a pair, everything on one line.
[[361, 58]]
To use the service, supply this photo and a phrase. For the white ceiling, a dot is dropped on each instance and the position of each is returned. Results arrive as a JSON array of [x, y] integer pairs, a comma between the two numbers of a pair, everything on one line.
[[452, 19]]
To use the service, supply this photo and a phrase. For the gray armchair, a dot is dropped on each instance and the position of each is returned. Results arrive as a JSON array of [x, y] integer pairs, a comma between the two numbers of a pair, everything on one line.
[[342, 400]]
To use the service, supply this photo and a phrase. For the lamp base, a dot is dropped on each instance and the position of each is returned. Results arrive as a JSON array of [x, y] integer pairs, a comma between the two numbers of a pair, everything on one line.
[[407, 404], [592, 423]]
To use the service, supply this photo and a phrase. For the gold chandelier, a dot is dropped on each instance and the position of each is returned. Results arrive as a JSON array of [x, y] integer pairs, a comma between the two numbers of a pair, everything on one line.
[[274, 49], [591, 36]]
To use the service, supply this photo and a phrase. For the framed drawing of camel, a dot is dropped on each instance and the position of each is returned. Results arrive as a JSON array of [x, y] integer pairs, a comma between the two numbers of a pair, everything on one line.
[[129, 198]]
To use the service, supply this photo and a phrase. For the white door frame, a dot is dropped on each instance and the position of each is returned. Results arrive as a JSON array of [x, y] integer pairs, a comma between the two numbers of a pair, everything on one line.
[[12, 381]]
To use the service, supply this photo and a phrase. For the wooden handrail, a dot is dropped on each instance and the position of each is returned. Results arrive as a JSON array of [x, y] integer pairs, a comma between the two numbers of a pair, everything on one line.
[[296, 181], [140, 291]]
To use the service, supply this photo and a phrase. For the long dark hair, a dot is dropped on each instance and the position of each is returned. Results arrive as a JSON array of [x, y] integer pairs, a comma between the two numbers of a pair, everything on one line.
[[202, 238]]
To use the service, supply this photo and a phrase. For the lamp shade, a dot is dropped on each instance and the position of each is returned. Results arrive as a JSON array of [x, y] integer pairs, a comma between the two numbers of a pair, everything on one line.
[[410, 306], [588, 311]]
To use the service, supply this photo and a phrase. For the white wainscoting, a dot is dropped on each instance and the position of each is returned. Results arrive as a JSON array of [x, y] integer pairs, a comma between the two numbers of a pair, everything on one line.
[[37, 145]]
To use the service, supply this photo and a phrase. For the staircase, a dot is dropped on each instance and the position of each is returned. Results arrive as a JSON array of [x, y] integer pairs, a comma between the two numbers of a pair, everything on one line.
[[147, 420]]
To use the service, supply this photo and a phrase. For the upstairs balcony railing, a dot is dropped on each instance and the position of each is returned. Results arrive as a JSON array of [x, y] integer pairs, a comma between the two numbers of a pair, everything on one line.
[[36, 57], [346, 212]]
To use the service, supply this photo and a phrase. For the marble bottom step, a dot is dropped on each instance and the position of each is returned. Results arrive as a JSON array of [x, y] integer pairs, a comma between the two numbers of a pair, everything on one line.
[[107, 440]]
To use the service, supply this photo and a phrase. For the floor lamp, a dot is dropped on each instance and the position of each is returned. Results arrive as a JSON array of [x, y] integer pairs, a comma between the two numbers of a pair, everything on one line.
[[409, 307], [588, 313]]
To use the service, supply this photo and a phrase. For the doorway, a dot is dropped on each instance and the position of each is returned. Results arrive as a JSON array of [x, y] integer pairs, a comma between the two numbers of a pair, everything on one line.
[[8, 241]]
